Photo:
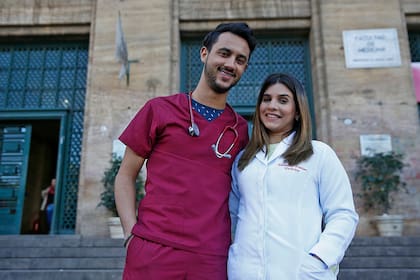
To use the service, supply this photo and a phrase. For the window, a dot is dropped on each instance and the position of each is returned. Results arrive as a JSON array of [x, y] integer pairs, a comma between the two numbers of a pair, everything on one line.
[[414, 40], [272, 54]]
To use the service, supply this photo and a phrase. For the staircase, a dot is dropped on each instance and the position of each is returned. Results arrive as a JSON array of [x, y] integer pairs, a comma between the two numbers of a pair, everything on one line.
[[382, 258], [63, 257], [73, 257]]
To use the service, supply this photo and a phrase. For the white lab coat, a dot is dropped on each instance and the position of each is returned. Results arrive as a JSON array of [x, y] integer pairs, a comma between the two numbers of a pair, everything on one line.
[[277, 214]]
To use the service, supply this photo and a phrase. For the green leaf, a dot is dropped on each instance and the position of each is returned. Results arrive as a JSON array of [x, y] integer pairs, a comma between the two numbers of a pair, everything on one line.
[[107, 198], [380, 178]]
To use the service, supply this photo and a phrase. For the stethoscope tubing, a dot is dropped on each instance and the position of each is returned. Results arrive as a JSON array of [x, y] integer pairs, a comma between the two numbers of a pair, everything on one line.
[[194, 131]]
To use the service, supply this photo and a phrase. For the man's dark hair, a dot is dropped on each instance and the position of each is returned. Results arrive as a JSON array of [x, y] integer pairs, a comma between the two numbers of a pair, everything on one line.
[[240, 29]]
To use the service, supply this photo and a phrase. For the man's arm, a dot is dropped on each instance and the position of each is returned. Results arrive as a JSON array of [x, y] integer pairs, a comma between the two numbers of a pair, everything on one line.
[[125, 192]]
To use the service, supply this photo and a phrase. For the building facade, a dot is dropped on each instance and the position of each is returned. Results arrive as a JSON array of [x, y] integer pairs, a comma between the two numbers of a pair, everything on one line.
[[62, 104]]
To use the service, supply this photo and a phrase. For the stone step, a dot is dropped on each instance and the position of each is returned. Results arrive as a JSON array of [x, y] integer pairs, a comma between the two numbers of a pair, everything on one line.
[[386, 241], [383, 252], [66, 241], [63, 257], [373, 251], [381, 262], [75, 257], [80, 263], [61, 252], [379, 274], [382, 258], [61, 275]]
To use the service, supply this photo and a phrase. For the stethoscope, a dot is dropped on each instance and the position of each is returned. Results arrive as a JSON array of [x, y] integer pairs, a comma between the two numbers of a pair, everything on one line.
[[194, 131]]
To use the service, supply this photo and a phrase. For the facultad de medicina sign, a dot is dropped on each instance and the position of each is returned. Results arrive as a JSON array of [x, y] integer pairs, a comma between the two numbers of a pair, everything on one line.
[[371, 48]]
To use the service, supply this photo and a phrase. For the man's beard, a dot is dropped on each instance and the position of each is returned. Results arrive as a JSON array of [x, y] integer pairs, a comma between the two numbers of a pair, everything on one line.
[[211, 80]]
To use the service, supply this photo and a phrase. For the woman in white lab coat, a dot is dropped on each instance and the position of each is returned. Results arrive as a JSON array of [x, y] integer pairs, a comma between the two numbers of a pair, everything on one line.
[[291, 202]]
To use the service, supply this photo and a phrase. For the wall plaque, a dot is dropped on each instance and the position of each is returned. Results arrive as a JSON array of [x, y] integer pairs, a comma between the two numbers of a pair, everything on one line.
[[371, 48], [375, 143]]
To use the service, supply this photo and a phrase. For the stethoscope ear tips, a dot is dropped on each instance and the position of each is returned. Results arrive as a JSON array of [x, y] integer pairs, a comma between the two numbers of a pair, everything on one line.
[[193, 130]]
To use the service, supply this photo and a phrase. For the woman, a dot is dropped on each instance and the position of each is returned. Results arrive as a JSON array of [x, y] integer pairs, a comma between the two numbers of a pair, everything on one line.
[[291, 202]]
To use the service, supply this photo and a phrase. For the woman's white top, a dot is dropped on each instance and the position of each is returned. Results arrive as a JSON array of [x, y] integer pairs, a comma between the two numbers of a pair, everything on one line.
[[280, 214]]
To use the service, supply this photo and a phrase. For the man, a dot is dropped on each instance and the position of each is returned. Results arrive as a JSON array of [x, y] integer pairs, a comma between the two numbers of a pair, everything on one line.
[[190, 141]]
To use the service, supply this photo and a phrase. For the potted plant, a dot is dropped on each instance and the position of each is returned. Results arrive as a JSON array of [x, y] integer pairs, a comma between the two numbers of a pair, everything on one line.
[[107, 197], [380, 178]]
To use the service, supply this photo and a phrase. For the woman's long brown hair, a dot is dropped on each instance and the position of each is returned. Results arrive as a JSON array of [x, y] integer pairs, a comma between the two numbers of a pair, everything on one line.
[[301, 147]]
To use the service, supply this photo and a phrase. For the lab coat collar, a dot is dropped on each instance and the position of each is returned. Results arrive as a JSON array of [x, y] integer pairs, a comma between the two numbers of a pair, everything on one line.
[[280, 149]]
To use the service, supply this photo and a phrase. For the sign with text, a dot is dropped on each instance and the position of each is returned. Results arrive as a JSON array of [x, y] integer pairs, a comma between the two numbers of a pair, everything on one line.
[[375, 143], [371, 48]]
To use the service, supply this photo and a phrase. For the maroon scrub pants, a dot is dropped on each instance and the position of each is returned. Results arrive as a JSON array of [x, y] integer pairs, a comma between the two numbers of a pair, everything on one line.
[[147, 260]]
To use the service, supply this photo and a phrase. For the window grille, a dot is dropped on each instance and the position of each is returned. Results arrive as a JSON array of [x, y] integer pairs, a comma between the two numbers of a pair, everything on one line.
[[290, 55], [50, 76]]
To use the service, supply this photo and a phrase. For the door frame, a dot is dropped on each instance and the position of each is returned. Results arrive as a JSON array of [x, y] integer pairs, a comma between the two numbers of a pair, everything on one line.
[[63, 116]]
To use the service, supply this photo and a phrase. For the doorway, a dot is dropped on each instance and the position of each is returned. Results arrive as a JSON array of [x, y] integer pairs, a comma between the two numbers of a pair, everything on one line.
[[41, 170], [44, 78], [43, 147]]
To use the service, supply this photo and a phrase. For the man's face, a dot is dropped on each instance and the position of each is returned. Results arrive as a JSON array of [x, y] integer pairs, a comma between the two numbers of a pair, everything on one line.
[[226, 62]]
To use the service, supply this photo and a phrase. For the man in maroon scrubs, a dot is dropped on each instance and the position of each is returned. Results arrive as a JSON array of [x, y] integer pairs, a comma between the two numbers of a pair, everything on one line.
[[188, 142]]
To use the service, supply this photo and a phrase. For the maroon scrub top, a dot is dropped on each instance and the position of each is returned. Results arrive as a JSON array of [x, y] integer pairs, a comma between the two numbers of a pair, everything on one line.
[[187, 186]]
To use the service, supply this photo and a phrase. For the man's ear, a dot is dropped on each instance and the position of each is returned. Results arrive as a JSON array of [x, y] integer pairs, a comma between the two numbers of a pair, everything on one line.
[[203, 54]]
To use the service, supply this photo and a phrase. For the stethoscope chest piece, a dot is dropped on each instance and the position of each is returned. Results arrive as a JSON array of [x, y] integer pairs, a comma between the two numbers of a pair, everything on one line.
[[193, 130]]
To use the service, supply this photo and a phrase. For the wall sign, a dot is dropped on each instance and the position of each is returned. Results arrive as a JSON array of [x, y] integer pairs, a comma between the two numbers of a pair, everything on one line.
[[371, 48], [375, 143]]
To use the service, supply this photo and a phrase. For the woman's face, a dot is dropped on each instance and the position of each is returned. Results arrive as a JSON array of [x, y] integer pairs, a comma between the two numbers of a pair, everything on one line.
[[278, 111]]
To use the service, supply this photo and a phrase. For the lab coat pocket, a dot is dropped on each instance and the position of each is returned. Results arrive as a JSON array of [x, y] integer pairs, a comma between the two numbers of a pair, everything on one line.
[[313, 269]]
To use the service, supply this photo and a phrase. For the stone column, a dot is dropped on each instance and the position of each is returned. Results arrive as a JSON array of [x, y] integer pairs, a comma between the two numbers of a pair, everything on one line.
[[110, 102]]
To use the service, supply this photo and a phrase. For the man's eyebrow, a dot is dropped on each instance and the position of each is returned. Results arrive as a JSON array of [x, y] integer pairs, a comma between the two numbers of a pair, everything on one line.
[[224, 49]]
